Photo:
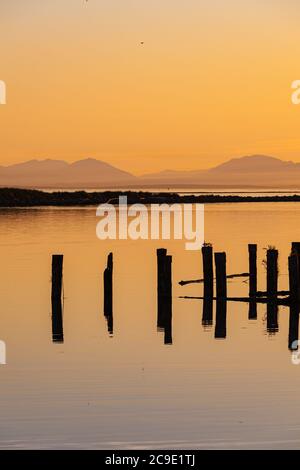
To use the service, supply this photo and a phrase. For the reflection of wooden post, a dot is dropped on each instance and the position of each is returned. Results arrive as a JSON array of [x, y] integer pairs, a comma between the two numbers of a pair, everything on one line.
[[207, 313], [208, 274], [221, 313], [56, 298], [272, 318], [252, 313], [296, 251], [168, 300], [108, 292], [221, 280], [252, 250], [294, 326], [294, 278], [272, 273], [164, 293], [161, 255]]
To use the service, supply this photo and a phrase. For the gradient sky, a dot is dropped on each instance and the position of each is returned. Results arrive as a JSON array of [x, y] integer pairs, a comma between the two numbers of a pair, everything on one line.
[[212, 81]]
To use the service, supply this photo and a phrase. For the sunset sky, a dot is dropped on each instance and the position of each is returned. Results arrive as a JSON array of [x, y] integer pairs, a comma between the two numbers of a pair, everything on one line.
[[211, 81]]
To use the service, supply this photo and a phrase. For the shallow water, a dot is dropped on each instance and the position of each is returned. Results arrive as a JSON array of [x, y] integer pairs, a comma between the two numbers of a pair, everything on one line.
[[130, 390]]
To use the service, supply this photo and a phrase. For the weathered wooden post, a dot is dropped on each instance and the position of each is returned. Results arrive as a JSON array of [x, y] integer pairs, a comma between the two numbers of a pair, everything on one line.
[[56, 299], [272, 273], [296, 248], [208, 272], [108, 292], [252, 250], [221, 280]]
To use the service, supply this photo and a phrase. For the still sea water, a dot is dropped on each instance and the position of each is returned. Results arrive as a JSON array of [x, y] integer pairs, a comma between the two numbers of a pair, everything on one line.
[[128, 390]]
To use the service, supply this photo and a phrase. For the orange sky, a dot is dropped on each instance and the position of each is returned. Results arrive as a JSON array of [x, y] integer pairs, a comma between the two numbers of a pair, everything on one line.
[[211, 81]]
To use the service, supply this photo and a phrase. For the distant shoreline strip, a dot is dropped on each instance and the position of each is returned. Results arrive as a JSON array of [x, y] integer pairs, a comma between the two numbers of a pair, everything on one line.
[[15, 197]]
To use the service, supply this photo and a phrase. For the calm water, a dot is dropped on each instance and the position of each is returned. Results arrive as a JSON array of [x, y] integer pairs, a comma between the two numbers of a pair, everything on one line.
[[130, 390]]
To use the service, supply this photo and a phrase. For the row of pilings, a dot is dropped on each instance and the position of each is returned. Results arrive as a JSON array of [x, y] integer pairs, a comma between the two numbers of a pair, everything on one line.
[[214, 288]]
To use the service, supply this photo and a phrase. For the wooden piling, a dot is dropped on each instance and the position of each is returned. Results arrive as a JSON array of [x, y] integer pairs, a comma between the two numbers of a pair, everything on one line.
[[272, 273], [221, 280], [108, 292], [208, 273], [296, 248], [56, 299], [252, 251]]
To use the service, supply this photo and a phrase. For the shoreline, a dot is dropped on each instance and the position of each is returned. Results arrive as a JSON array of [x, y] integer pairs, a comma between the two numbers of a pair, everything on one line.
[[15, 197]]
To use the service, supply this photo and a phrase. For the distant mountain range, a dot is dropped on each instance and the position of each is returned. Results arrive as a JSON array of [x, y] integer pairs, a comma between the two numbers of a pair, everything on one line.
[[254, 170]]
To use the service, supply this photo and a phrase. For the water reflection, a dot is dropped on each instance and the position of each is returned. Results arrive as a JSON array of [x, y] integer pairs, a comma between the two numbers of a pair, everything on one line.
[[272, 318], [56, 299], [108, 294], [207, 313], [221, 314]]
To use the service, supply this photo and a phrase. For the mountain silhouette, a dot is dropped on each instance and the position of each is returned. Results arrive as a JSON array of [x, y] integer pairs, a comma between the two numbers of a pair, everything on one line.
[[58, 173], [253, 170]]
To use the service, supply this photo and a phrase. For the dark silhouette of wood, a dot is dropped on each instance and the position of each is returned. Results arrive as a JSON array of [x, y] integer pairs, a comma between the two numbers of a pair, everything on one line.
[[262, 293], [272, 318], [164, 294], [296, 248], [221, 279], [272, 273], [259, 300], [56, 299], [168, 301], [252, 313], [208, 273], [221, 314], [207, 313], [293, 326], [296, 251], [108, 293], [252, 250], [161, 254], [294, 279], [199, 281]]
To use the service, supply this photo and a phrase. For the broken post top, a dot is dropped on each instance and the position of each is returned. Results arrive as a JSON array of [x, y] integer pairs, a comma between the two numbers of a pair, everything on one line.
[[252, 248], [220, 256], [296, 248], [110, 261], [161, 252]]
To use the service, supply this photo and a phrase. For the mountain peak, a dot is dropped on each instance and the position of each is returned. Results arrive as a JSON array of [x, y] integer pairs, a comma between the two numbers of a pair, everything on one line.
[[254, 164]]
